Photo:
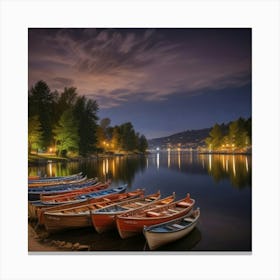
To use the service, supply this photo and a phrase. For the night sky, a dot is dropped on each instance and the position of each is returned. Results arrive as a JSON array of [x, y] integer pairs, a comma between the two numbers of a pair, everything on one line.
[[162, 80]]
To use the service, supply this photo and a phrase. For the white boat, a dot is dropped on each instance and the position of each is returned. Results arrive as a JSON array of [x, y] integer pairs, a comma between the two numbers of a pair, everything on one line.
[[161, 234]]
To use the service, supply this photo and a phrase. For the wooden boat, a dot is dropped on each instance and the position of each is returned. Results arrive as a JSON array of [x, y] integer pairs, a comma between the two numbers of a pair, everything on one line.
[[68, 195], [133, 222], [56, 183], [38, 179], [33, 178], [103, 219], [34, 194], [78, 216], [112, 197], [33, 206], [163, 233]]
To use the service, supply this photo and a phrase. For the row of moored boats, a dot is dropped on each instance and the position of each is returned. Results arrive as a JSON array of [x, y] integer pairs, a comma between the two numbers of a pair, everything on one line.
[[70, 202]]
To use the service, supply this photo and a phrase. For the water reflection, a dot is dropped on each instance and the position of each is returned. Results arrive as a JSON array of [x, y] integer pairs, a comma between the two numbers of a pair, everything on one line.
[[236, 168]]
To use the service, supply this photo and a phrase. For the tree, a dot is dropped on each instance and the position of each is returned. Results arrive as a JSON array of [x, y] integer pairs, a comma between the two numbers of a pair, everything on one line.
[[238, 134], [34, 133], [116, 138], [85, 112], [40, 103], [67, 99], [216, 137], [66, 133], [235, 135], [143, 144], [127, 136]]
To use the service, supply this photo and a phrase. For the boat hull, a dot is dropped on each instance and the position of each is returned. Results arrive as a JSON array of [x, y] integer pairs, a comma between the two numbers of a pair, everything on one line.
[[103, 223], [156, 240], [54, 223], [128, 227]]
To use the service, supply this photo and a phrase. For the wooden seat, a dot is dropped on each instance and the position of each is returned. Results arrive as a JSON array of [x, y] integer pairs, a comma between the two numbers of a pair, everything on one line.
[[183, 204], [178, 226], [139, 203], [172, 210], [152, 214]]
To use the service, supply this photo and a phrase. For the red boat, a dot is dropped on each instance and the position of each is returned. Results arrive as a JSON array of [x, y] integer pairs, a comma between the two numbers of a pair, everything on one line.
[[66, 196], [78, 216], [132, 222], [104, 219], [109, 198]]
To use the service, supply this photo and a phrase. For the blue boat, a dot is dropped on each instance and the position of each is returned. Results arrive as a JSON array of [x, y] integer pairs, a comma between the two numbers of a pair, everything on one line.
[[34, 193], [79, 198], [55, 179]]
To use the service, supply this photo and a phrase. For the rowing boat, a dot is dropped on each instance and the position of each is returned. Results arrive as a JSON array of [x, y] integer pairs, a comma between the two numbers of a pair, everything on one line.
[[103, 219], [33, 206], [164, 233], [68, 195], [35, 193], [132, 222], [112, 197], [79, 216], [38, 179], [56, 183]]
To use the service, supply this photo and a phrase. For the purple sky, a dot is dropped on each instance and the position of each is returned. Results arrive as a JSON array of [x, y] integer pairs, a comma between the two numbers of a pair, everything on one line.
[[162, 80]]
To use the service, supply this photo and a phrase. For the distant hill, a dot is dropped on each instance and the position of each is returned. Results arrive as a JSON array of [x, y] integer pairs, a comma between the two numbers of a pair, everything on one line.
[[191, 138], [185, 139]]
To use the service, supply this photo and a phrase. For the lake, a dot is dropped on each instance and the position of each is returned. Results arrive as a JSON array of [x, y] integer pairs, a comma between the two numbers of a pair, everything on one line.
[[220, 184]]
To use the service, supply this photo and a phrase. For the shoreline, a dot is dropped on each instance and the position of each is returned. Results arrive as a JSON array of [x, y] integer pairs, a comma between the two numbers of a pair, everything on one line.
[[36, 245], [44, 159], [41, 243]]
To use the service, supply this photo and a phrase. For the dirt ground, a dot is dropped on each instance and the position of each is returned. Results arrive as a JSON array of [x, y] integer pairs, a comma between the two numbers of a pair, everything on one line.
[[34, 244]]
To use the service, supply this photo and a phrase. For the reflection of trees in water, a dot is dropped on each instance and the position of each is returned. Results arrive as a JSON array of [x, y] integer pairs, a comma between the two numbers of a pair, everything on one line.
[[235, 167], [120, 169], [54, 169], [124, 168]]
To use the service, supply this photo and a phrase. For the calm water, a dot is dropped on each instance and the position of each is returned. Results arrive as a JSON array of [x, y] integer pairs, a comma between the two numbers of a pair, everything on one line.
[[220, 184]]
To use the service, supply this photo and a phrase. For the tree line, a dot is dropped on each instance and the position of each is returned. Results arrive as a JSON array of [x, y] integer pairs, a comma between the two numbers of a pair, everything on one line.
[[67, 123], [237, 135]]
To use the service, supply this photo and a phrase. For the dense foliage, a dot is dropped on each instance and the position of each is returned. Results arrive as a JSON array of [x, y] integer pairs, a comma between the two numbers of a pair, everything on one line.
[[237, 135], [120, 138], [67, 122]]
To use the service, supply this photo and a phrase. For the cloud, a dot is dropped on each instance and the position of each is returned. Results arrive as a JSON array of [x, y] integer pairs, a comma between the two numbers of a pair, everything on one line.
[[117, 65], [62, 82]]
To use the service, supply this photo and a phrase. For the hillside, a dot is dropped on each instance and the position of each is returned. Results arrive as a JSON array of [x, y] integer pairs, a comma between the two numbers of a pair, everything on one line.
[[185, 139]]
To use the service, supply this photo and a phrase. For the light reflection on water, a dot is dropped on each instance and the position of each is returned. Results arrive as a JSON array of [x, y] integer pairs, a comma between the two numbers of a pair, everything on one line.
[[221, 185]]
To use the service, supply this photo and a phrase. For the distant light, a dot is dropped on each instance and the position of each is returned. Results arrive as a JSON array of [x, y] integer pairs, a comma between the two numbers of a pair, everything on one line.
[[157, 148]]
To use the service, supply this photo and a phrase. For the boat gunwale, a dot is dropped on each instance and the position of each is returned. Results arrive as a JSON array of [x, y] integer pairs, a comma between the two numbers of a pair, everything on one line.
[[149, 229], [93, 212], [134, 217], [58, 212]]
